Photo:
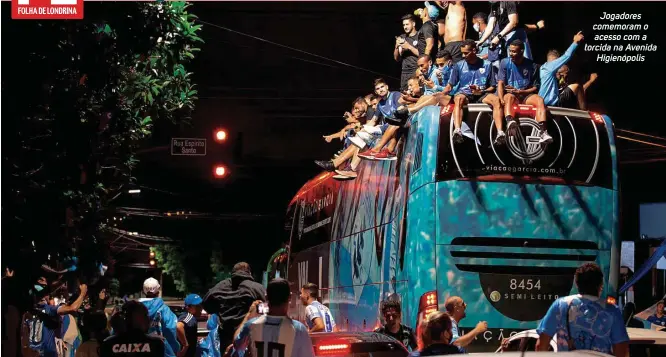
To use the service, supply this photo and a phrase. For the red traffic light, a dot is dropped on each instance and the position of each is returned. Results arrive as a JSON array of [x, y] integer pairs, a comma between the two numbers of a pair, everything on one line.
[[220, 171], [220, 135]]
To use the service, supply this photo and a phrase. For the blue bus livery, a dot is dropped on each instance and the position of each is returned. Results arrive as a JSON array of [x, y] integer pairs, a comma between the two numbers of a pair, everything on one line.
[[502, 227]]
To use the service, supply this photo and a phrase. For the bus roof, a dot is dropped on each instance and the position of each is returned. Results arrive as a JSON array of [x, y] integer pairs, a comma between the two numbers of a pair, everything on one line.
[[326, 177]]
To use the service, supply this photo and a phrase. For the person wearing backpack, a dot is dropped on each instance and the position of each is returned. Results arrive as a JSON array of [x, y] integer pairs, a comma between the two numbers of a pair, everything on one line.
[[45, 330], [583, 321]]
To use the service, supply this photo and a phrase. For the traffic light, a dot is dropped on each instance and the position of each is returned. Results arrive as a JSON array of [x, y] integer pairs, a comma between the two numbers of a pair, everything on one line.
[[220, 171], [220, 135]]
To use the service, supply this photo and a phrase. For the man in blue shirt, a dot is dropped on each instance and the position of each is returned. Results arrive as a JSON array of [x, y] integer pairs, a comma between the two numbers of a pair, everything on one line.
[[52, 323], [187, 325], [474, 83], [518, 83], [659, 318], [582, 321], [549, 89], [265, 335], [429, 77], [456, 309]]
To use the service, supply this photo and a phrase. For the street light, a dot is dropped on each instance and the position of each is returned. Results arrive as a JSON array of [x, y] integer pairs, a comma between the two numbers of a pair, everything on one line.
[[220, 171], [220, 135]]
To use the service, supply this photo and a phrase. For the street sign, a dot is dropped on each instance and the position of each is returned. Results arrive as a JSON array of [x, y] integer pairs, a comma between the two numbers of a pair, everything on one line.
[[188, 146]]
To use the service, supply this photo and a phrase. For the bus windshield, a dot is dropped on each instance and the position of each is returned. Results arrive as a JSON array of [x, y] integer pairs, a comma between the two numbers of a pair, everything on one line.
[[580, 153]]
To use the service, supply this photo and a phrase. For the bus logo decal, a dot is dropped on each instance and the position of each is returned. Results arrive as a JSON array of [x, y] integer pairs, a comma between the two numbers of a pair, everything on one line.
[[527, 147], [495, 296]]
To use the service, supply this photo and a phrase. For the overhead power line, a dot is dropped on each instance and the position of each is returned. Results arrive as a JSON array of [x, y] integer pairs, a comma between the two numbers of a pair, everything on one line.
[[642, 134], [297, 50], [641, 141]]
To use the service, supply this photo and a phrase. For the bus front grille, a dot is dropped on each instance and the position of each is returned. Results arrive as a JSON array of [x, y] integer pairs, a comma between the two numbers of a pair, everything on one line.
[[521, 255]]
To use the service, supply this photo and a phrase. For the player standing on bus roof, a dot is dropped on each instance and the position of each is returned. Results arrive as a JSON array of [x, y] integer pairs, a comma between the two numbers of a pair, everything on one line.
[[518, 83], [582, 322], [548, 72], [319, 318], [406, 50], [473, 78], [453, 28]]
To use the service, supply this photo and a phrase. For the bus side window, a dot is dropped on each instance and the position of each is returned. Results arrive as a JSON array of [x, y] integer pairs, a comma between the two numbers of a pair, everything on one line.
[[418, 152]]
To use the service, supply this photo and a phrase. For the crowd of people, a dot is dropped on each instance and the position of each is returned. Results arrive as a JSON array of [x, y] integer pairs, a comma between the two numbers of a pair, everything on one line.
[[244, 317], [440, 65]]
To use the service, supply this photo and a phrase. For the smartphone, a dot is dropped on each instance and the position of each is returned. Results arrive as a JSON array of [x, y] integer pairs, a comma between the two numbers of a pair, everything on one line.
[[262, 309]]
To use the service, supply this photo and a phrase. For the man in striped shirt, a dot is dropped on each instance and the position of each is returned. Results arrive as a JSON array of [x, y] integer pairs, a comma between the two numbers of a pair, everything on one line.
[[187, 325], [318, 316], [274, 334]]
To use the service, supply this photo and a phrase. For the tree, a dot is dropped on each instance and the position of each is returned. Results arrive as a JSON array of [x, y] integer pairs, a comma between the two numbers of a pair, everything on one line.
[[189, 268], [220, 270], [84, 95]]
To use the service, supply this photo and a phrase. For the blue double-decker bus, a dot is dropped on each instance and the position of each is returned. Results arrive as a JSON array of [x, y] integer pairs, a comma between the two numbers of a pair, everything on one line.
[[502, 227]]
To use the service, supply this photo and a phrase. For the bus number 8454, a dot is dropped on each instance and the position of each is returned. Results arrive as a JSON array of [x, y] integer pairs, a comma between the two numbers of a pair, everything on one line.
[[525, 284]]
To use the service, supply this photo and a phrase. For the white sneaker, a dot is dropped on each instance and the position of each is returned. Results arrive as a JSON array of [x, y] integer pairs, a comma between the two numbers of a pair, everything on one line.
[[545, 138], [457, 136]]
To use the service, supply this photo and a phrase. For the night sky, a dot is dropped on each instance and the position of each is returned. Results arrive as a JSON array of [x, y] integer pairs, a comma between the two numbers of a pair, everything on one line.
[[280, 101], [277, 102]]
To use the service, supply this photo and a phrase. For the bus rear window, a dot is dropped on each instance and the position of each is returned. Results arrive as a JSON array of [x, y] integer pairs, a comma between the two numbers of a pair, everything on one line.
[[579, 154]]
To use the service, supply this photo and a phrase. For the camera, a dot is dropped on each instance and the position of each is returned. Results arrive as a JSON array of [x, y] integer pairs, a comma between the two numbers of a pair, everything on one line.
[[262, 309]]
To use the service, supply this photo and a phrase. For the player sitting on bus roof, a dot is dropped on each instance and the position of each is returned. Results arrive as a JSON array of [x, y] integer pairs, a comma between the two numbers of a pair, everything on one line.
[[359, 108], [518, 83], [384, 148], [361, 134], [432, 95], [431, 77], [549, 90], [571, 94], [386, 113], [473, 78]]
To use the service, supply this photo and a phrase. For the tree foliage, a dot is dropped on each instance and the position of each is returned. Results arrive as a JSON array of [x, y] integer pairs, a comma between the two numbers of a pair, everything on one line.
[[194, 268], [79, 99]]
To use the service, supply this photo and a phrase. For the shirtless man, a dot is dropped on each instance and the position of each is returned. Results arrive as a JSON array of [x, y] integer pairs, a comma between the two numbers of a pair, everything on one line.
[[453, 28]]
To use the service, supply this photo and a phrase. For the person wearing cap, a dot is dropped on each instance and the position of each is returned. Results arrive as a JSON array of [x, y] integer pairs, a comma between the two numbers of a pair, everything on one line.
[[187, 325], [162, 319], [428, 33]]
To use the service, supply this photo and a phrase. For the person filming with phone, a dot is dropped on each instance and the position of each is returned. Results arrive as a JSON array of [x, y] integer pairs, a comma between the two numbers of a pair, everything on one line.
[[274, 333]]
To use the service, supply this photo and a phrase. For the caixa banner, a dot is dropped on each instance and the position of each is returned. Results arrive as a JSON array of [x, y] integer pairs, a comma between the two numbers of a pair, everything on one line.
[[579, 154], [47, 9]]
